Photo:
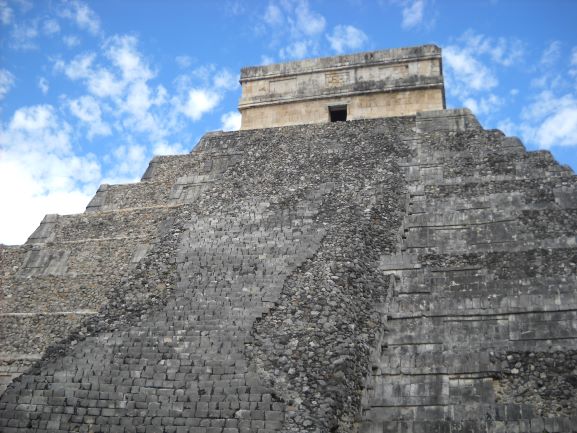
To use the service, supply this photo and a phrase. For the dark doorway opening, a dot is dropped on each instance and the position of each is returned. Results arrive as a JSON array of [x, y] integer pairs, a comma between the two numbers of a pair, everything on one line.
[[338, 113]]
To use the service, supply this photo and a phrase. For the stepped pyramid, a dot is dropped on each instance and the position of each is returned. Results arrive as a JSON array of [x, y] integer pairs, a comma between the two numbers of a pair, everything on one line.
[[404, 270]]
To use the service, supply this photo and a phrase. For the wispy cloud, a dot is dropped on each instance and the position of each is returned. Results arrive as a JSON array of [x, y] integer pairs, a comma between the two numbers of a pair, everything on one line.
[[484, 104], [87, 109], [183, 61], [50, 27], [266, 60], [501, 50], [549, 70], [6, 13], [6, 82], [573, 63], [71, 41], [550, 120], [345, 38], [413, 13], [24, 5], [234, 7], [296, 26], [37, 156], [43, 85], [273, 15], [128, 163], [551, 54], [82, 15], [307, 22], [224, 79], [298, 31], [164, 148], [467, 71], [198, 102], [471, 66], [230, 121], [298, 49], [23, 36]]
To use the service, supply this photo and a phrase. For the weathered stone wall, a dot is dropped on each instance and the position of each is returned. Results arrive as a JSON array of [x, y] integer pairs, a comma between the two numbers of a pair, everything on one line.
[[369, 106], [481, 317], [386, 83], [402, 274]]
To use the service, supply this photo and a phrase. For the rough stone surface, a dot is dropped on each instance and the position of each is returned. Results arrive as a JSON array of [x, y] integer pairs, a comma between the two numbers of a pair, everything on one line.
[[386, 83], [412, 274]]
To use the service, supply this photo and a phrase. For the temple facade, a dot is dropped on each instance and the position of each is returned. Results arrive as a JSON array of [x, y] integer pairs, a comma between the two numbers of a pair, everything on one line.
[[387, 83]]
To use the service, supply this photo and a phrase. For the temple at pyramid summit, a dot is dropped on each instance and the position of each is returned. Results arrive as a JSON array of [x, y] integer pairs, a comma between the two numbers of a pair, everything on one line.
[[398, 82], [357, 258]]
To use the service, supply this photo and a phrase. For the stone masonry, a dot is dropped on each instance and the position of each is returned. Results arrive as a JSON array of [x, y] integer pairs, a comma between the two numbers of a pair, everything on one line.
[[386, 83], [403, 274]]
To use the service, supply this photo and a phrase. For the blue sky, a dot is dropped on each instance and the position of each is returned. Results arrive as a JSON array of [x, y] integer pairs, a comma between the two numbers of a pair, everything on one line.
[[91, 90]]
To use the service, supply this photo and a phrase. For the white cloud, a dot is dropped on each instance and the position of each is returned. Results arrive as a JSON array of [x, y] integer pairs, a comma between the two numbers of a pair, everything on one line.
[[122, 51], [183, 61], [413, 13], [551, 76], [485, 104], [266, 60], [107, 82], [573, 62], [345, 38], [43, 85], [81, 14], [50, 27], [121, 77], [24, 5], [508, 127], [71, 41], [234, 7], [230, 121], [100, 82], [6, 82], [23, 36], [467, 71], [471, 67], [550, 120], [224, 79], [560, 128], [138, 99], [169, 149], [6, 13], [273, 15], [130, 161], [298, 50], [294, 16], [38, 126], [308, 22], [503, 51], [551, 54], [37, 156], [293, 22], [199, 102], [87, 109], [138, 104], [79, 67]]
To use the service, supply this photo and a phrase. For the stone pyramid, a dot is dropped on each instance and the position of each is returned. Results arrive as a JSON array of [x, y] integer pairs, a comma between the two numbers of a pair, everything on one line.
[[402, 274]]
